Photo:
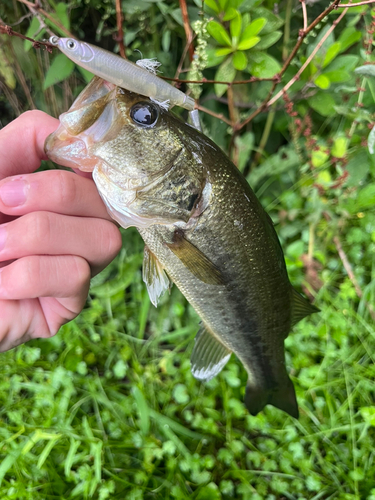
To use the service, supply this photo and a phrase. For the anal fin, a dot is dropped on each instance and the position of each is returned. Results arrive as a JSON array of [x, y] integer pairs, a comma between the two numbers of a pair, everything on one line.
[[154, 276], [197, 263], [209, 355]]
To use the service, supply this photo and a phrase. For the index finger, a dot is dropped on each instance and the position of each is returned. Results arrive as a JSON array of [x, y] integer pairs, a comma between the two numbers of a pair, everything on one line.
[[22, 143]]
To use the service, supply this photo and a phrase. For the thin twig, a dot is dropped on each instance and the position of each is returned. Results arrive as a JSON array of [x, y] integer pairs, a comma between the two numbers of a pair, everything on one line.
[[253, 79], [120, 34], [7, 30], [304, 12], [36, 7], [348, 5], [187, 28], [179, 67], [349, 270], [308, 60], [268, 101], [255, 113], [220, 116], [303, 34]]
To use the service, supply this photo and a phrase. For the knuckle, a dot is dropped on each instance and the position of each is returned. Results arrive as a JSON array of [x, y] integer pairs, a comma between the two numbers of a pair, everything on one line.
[[81, 272], [112, 239], [66, 188], [28, 274], [39, 226]]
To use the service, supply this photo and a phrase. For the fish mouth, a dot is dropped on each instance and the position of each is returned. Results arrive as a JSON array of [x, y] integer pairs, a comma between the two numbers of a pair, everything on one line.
[[69, 151]]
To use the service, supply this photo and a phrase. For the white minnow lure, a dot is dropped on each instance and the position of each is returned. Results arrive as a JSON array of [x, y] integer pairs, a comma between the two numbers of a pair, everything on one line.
[[121, 72]]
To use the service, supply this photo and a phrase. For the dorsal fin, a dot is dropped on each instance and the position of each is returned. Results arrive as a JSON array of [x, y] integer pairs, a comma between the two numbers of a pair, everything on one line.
[[209, 355], [301, 307]]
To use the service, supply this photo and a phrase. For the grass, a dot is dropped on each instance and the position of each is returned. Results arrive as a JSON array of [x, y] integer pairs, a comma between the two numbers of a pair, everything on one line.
[[108, 408]]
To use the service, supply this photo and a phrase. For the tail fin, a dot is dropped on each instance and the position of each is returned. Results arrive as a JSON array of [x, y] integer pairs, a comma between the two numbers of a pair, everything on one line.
[[283, 397]]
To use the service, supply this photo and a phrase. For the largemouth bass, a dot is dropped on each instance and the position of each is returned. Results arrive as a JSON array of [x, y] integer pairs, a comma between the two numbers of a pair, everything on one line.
[[203, 227]]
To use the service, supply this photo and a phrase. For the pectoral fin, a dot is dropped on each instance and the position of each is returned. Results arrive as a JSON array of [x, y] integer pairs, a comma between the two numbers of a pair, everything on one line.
[[301, 307], [209, 355], [197, 263], [154, 276]]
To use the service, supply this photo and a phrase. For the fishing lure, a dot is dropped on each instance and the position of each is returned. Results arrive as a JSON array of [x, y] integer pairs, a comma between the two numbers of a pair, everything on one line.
[[124, 73]]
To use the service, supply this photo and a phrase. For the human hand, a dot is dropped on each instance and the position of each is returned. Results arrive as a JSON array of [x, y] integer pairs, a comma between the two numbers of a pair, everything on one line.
[[55, 233]]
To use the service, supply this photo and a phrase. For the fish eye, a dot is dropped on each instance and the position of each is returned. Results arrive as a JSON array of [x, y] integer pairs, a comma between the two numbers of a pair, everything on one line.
[[71, 44], [144, 113]]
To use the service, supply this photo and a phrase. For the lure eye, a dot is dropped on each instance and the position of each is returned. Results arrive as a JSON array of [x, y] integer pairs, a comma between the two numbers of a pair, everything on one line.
[[144, 114], [71, 44]]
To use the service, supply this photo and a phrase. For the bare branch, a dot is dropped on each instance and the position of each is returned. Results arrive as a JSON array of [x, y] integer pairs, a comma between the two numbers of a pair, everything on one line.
[[187, 28], [304, 11], [37, 8], [216, 115], [7, 30], [348, 5], [308, 60], [120, 34]]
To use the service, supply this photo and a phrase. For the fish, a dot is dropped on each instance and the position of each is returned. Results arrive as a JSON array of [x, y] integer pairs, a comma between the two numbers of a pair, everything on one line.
[[203, 227]]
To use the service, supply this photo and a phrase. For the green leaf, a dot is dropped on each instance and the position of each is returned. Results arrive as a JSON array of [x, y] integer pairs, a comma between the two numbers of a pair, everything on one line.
[[60, 69], [212, 4], [268, 40], [230, 13], [331, 53], [224, 51], [371, 141], [263, 65], [273, 22], [339, 147], [6, 71], [345, 63], [218, 32], [349, 37], [86, 74], [323, 103], [366, 197], [225, 73], [235, 27], [62, 14], [33, 32], [366, 70], [338, 76], [212, 58], [240, 60], [322, 81], [249, 43], [253, 29], [180, 394], [223, 4], [143, 410]]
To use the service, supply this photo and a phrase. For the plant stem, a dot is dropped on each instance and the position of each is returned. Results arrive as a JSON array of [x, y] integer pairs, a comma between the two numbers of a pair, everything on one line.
[[264, 138], [288, 16]]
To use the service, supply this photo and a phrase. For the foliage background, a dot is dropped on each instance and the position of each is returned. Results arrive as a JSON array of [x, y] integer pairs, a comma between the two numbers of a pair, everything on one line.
[[108, 408]]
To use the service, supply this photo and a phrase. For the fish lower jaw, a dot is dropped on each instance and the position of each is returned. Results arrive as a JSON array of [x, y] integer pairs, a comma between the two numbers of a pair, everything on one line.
[[69, 152]]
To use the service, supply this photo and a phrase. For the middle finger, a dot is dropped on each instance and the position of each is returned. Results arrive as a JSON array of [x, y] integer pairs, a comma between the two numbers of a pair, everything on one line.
[[45, 233]]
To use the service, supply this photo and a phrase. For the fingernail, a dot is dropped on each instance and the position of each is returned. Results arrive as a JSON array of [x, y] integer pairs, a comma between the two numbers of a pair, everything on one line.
[[3, 236], [13, 193]]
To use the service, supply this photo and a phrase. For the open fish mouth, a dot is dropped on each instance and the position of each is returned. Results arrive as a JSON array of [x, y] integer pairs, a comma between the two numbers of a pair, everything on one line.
[[90, 118], [69, 151]]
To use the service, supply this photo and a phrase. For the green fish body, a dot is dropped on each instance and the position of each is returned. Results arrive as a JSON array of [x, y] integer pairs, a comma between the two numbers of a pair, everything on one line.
[[203, 227]]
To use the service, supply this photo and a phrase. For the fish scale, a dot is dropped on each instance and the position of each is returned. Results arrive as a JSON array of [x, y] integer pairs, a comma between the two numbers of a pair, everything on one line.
[[203, 227]]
